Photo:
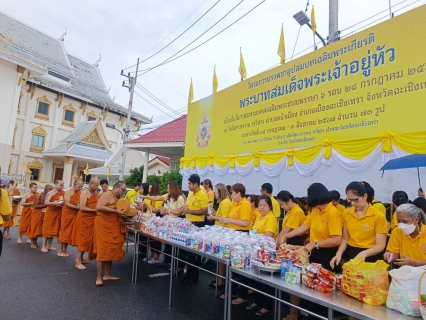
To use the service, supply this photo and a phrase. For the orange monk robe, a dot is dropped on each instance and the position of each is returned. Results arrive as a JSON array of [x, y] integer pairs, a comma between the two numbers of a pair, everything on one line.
[[83, 227], [36, 225], [68, 219], [15, 206], [52, 216], [26, 215], [108, 236]]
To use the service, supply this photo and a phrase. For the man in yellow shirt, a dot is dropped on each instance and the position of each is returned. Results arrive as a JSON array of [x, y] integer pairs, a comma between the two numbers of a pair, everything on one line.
[[104, 184], [266, 190], [335, 199], [195, 210], [131, 195]]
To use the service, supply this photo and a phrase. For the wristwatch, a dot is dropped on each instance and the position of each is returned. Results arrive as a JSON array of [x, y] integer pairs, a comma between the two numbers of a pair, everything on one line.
[[316, 244]]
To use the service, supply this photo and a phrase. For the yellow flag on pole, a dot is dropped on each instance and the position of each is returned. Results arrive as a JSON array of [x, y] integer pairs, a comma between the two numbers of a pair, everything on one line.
[[191, 93], [24, 164], [242, 68], [313, 22], [131, 167], [109, 170], [281, 46], [215, 82], [86, 171]]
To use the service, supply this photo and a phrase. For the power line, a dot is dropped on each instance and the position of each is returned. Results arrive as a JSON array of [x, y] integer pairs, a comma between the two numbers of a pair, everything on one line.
[[178, 35], [154, 105], [168, 60], [182, 110], [155, 98], [174, 29]]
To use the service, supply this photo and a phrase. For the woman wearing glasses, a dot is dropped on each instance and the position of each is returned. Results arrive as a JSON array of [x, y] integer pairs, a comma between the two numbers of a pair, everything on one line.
[[364, 228]]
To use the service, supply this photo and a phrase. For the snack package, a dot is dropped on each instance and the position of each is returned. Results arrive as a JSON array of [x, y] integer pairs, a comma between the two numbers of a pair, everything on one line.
[[366, 281]]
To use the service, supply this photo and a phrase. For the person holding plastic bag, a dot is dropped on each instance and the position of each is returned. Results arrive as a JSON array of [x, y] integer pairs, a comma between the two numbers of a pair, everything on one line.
[[364, 228], [407, 243]]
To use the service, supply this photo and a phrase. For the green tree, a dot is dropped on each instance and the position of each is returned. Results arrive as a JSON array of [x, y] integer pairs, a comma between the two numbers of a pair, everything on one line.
[[137, 173]]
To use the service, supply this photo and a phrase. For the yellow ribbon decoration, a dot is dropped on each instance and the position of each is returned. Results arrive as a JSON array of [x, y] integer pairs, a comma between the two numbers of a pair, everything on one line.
[[182, 160], [194, 162], [256, 157], [387, 141], [290, 156], [211, 159], [328, 144], [232, 161]]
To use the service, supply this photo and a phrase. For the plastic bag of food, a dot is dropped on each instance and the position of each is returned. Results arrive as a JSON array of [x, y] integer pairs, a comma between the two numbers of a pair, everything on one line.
[[403, 290], [366, 281], [297, 253]]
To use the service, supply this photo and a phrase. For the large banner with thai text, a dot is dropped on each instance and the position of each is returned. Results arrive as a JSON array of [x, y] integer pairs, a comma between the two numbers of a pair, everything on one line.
[[360, 86]]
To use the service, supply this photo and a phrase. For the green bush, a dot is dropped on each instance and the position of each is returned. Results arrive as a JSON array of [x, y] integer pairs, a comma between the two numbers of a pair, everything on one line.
[[137, 173]]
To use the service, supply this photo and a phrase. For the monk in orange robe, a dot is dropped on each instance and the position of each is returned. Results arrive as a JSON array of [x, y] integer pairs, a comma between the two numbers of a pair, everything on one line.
[[9, 223], [27, 202], [83, 227], [69, 213], [36, 225], [51, 220], [109, 233]]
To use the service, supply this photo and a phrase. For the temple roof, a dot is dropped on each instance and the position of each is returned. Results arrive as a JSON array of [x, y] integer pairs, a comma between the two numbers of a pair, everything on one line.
[[66, 73]]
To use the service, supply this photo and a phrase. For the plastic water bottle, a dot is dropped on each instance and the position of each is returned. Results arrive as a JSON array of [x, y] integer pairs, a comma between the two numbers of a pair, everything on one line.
[[290, 262], [283, 268]]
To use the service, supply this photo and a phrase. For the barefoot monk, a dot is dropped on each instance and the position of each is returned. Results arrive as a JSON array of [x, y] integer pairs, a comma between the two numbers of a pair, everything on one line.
[[51, 221]]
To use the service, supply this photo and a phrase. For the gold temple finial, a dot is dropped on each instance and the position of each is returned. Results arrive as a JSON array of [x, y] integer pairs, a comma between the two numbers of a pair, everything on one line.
[[62, 38], [98, 61]]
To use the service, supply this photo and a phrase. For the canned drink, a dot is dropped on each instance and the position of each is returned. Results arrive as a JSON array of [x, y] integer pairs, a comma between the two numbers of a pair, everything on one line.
[[272, 254], [248, 262]]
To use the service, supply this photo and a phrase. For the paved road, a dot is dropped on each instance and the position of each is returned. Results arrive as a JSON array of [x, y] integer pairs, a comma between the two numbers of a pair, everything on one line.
[[36, 285]]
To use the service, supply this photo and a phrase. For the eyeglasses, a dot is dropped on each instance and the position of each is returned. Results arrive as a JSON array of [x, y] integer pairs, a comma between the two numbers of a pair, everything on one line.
[[124, 190], [354, 201]]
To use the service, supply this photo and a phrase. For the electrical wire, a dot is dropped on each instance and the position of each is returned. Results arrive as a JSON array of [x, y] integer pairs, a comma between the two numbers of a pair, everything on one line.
[[174, 29], [154, 105], [300, 28], [155, 98], [168, 60], [177, 36]]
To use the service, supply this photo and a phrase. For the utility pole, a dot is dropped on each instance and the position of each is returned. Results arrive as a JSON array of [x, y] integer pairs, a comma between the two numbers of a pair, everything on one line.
[[333, 28], [131, 86]]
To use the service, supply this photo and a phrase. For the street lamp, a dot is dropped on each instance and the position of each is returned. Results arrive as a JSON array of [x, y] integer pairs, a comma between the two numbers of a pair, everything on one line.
[[303, 19], [125, 133]]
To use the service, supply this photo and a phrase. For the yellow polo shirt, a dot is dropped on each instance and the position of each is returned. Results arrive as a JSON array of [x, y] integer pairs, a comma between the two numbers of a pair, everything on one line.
[[241, 211], [131, 195], [276, 209], [210, 196], [254, 214], [394, 222], [324, 224], [267, 223], [223, 211], [5, 207], [155, 204], [294, 218], [340, 208], [379, 206], [362, 230], [197, 201], [404, 245]]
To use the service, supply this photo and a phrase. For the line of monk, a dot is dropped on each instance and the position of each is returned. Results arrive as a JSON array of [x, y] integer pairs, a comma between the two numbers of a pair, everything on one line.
[[80, 218]]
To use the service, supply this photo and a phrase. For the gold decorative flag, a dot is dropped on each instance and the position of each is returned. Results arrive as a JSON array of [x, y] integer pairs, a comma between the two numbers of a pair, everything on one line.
[[215, 83], [109, 170], [191, 94], [313, 22], [24, 164], [281, 46], [242, 68], [131, 167], [86, 171]]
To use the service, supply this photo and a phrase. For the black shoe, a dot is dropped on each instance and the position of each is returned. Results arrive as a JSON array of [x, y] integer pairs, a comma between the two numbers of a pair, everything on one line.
[[255, 308], [163, 265], [263, 314], [213, 285], [190, 280]]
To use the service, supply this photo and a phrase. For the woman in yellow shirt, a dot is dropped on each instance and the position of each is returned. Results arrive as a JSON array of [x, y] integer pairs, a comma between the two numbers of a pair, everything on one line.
[[408, 240], [207, 184], [240, 214], [225, 204], [254, 202], [364, 228], [266, 223], [325, 227], [5, 207], [294, 217]]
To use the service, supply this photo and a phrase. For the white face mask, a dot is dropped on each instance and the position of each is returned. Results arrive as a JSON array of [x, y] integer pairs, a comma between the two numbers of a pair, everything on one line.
[[407, 228]]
